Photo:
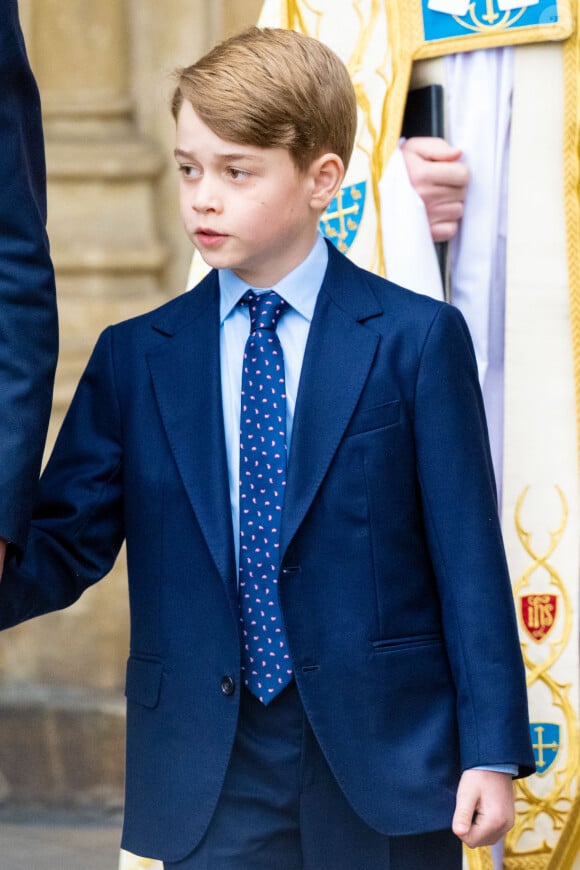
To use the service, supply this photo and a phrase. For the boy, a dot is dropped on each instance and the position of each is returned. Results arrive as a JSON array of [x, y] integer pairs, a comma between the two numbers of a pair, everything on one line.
[[332, 719]]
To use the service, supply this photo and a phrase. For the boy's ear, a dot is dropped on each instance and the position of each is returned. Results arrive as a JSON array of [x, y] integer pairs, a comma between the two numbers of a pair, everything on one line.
[[327, 173]]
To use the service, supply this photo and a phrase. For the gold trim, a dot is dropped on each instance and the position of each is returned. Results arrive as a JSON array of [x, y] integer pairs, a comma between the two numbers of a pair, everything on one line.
[[567, 848], [478, 859], [405, 36], [528, 860], [558, 804], [572, 196], [376, 161], [293, 19]]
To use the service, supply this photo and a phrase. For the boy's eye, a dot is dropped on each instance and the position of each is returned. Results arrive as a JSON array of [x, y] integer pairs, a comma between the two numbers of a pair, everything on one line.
[[188, 171], [237, 174]]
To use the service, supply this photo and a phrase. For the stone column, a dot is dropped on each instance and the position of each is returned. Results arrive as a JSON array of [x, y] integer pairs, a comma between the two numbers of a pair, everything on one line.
[[101, 173]]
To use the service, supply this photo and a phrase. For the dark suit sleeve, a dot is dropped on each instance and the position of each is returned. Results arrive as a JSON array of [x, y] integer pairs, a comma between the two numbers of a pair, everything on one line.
[[465, 540], [28, 318], [78, 521]]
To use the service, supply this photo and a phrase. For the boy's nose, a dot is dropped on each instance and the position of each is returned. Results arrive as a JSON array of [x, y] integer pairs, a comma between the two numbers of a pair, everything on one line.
[[206, 197]]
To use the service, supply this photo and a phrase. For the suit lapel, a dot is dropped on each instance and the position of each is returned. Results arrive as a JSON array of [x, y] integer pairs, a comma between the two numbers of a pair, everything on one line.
[[338, 357], [186, 376]]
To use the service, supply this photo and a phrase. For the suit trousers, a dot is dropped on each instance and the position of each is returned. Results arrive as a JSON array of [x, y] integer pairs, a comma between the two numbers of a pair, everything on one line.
[[281, 808]]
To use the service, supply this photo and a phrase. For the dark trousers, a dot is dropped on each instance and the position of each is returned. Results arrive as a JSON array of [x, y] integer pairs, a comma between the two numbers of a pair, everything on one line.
[[281, 808]]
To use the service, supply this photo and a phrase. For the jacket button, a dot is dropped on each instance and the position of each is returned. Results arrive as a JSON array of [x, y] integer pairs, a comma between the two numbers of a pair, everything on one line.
[[290, 569], [228, 685]]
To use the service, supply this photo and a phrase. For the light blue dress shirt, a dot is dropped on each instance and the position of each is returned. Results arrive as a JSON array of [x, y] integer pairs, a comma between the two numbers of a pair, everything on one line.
[[300, 289]]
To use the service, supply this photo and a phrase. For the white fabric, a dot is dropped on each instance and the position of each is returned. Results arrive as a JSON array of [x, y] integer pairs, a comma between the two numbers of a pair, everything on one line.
[[508, 5], [479, 96], [452, 7], [406, 230]]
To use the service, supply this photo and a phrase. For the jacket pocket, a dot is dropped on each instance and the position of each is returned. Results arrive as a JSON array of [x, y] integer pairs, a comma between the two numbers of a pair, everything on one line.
[[377, 417], [400, 644], [143, 683]]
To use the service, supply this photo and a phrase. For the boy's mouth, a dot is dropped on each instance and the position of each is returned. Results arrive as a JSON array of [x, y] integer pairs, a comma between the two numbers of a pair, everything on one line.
[[208, 237]]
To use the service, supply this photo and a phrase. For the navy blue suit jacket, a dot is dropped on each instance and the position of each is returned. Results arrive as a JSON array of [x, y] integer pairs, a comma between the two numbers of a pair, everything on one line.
[[28, 320], [394, 586]]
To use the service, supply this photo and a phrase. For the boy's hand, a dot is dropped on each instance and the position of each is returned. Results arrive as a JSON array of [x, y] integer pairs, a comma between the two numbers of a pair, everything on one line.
[[485, 808], [440, 180]]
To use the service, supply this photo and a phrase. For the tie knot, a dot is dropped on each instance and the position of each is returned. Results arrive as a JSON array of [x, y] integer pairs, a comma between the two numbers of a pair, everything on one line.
[[265, 309]]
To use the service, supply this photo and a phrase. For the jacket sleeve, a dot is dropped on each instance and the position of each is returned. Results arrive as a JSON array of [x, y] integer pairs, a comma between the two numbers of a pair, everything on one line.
[[465, 540], [78, 522], [28, 317]]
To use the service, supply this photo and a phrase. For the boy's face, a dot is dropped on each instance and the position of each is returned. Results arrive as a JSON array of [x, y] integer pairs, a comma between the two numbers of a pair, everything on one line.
[[245, 208]]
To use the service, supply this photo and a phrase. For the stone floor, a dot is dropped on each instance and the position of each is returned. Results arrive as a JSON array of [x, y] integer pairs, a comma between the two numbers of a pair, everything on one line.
[[58, 841]]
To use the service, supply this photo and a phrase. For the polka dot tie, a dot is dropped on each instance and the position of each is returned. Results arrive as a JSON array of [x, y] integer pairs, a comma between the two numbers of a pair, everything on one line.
[[266, 667]]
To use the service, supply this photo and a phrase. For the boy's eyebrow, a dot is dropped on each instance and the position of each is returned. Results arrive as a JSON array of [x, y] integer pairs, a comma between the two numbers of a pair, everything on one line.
[[180, 152], [188, 155]]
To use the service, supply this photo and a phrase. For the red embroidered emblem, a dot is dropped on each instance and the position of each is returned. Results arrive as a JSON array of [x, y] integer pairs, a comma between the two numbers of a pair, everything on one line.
[[538, 615]]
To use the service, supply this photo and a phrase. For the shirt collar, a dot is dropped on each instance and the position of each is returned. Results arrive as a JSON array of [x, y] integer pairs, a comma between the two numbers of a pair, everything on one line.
[[299, 288]]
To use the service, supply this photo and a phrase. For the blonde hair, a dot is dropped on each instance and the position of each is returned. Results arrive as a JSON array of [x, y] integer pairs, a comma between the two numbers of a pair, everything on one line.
[[271, 88]]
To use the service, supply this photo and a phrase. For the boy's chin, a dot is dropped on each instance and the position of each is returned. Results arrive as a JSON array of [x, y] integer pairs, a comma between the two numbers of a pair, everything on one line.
[[209, 258]]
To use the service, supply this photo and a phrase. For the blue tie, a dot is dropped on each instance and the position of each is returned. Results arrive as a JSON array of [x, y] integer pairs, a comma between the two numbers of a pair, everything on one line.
[[266, 667]]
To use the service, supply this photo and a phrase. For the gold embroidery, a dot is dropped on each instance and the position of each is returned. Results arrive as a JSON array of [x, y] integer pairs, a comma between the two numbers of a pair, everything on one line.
[[555, 803]]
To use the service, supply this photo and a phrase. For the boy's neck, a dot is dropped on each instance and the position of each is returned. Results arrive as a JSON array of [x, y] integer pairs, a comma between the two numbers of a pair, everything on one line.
[[299, 287], [272, 277]]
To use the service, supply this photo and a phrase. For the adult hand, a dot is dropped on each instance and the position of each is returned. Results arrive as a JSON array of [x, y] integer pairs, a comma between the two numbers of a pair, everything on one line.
[[485, 808], [441, 181], [2, 555]]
